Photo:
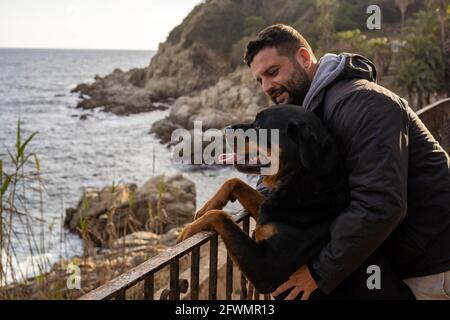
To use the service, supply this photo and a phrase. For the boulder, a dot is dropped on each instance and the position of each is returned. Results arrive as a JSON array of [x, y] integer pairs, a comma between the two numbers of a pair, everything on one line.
[[118, 92], [163, 129], [166, 202], [234, 98], [103, 215]]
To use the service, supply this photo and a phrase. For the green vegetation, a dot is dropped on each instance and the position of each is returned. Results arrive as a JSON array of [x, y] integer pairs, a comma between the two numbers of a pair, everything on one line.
[[411, 50], [217, 33], [420, 64], [14, 213]]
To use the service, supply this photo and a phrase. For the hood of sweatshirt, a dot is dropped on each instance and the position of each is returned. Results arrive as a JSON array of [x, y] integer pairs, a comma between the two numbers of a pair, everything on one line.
[[334, 67]]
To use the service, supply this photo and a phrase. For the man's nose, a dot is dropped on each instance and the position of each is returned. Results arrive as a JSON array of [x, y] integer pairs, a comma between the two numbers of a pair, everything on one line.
[[266, 85]]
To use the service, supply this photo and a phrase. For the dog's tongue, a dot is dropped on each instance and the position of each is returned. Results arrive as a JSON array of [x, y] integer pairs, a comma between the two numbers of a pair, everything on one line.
[[227, 158]]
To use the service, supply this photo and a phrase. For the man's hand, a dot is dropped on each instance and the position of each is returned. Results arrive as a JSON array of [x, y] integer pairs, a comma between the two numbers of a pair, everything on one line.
[[302, 281]]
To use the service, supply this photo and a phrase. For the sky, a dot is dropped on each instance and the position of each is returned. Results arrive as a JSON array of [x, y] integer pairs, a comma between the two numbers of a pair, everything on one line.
[[90, 24]]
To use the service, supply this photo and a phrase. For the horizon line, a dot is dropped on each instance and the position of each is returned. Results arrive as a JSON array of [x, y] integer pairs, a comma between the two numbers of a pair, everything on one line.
[[93, 49]]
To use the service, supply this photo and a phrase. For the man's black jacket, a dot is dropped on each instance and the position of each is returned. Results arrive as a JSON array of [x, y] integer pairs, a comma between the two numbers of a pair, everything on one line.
[[399, 179]]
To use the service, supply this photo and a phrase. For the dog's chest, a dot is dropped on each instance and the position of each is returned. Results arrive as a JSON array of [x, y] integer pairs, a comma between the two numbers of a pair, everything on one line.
[[301, 212]]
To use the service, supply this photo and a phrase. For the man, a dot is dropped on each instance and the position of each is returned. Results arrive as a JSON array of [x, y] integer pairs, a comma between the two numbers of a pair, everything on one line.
[[399, 176]]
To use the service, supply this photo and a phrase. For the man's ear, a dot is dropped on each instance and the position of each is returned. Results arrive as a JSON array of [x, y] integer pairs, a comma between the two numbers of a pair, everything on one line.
[[307, 142], [304, 58]]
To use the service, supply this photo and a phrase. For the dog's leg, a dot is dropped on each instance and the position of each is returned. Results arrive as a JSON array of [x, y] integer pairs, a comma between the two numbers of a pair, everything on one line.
[[252, 259], [250, 291], [231, 190]]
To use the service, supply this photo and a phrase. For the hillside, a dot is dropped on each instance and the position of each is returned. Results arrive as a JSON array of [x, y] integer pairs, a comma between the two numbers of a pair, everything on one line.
[[208, 46]]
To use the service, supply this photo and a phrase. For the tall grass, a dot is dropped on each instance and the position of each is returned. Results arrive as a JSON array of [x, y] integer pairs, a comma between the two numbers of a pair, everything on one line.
[[25, 232], [17, 225]]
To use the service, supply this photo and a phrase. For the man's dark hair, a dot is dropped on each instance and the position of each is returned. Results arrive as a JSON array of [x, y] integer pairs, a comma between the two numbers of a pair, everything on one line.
[[284, 38]]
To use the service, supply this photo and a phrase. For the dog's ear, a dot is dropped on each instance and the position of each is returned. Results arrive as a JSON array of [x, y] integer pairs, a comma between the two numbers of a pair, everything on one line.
[[307, 141]]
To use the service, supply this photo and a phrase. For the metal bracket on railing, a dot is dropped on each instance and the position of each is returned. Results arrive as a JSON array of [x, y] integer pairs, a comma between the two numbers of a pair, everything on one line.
[[183, 286]]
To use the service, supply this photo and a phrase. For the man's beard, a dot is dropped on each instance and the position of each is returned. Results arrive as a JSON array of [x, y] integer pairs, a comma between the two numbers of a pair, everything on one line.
[[297, 86]]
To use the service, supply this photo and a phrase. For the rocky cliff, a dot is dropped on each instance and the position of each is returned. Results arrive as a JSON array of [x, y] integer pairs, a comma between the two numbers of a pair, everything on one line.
[[207, 46], [201, 61]]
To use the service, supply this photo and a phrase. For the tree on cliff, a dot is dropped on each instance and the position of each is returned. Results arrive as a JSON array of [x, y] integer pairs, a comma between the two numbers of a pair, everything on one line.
[[403, 6], [327, 15], [419, 63], [442, 10]]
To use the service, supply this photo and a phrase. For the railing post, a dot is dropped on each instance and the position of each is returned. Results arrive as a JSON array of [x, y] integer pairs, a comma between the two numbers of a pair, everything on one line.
[[195, 272], [174, 293], [256, 294], [229, 278], [121, 295], [149, 287], [246, 228], [213, 250]]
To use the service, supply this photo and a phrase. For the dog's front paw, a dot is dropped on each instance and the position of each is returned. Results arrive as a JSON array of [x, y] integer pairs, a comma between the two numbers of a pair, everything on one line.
[[220, 199], [187, 232], [214, 203]]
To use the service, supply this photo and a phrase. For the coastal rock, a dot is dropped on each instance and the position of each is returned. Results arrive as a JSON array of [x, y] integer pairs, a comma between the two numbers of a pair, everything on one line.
[[186, 152], [234, 98], [102, 216], [85, 116], [165, 202], [136, 240], [118, 92], [163, 129], [210, 43], [200, 64], [192, 58]]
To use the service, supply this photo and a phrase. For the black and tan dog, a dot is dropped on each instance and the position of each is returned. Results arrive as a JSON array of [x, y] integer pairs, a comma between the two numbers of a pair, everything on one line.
[[293, 222]]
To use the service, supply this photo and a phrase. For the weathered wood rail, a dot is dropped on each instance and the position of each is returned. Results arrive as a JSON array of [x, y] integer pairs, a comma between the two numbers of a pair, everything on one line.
[[436, 117], [117, 287]]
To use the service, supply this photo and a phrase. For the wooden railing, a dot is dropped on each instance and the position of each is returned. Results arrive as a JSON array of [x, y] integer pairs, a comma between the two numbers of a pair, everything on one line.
[[117, 287], [437, 119]]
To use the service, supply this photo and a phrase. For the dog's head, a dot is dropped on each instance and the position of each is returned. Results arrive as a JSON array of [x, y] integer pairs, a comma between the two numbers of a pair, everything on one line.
[[281, 139]]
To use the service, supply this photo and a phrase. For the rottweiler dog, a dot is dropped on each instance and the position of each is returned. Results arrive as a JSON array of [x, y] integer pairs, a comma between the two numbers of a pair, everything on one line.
[[309, 190]]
